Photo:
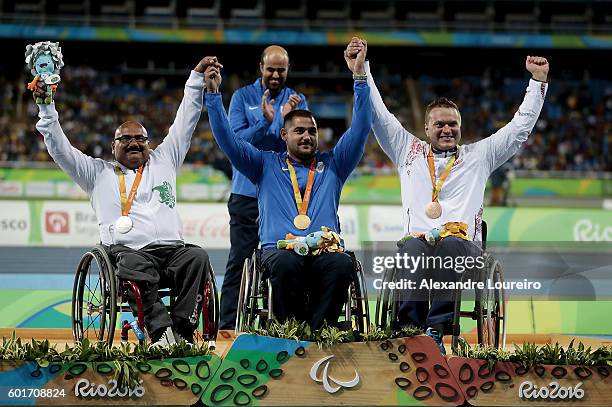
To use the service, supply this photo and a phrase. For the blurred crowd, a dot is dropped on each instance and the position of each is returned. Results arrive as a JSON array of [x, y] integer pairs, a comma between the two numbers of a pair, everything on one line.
[[573, 133]]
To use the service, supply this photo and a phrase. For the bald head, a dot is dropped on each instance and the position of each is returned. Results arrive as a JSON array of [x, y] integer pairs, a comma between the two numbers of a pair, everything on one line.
[[274, 65], [275, 51], [130, 128]]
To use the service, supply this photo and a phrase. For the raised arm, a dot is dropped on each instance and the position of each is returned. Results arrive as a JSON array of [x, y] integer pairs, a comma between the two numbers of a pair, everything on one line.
[[349, 149], [390, 134], [177, 142], [80, 167], [502, 145], [246, 158]]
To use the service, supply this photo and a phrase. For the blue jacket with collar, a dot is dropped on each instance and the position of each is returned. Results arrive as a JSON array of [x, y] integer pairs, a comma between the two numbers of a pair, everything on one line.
[[268, 171], [248, 122]]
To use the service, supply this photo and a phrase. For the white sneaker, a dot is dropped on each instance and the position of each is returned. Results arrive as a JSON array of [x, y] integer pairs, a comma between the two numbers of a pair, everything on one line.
[[165, 340]]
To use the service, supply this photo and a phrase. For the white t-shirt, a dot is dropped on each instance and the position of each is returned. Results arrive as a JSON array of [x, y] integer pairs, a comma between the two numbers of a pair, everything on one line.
[[462, 193]]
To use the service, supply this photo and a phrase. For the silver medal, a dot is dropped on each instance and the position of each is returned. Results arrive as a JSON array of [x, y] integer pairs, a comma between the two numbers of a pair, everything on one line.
[[123, 224]]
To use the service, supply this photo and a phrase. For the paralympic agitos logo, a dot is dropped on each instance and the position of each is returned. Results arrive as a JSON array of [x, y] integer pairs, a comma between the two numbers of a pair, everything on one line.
[[327, 380]]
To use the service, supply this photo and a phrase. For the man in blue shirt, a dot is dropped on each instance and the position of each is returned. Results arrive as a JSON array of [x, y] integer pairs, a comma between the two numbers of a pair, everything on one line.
[[299, 171], [256, 115]]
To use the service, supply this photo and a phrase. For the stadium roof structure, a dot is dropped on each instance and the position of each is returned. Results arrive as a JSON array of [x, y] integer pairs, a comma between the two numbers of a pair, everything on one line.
[[469, 23]]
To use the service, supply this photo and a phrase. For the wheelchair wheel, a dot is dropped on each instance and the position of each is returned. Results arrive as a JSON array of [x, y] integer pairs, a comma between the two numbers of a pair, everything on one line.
[[210, 308], [243, 315], [387, 303], [260, 300], [489, 308], [492, 318], [94, 298], [358, 299]]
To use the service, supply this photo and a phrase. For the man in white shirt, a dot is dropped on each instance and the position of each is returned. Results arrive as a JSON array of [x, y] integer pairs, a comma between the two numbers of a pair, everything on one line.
[[134, 200], [442, 186]]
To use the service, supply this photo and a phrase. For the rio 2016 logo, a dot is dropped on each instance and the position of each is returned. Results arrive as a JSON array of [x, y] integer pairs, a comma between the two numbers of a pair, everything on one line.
[[528, 390], [83, 388]]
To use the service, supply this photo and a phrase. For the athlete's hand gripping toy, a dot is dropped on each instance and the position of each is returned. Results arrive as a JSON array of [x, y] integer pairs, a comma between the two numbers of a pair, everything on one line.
[[44, 59]]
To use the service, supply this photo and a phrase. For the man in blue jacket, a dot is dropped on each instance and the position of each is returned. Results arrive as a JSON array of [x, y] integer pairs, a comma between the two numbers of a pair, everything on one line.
[[298, 192], [256, 115]]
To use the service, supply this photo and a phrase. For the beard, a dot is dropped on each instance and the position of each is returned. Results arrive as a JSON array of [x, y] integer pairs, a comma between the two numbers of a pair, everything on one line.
[[304, 155]]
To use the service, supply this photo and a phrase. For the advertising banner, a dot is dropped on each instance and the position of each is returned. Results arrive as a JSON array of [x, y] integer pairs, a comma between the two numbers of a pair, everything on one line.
[[207, 184], [206, 225], [385, 223], [14, 223], [548, 224], [68, 223], [72, 223], [349, 226]]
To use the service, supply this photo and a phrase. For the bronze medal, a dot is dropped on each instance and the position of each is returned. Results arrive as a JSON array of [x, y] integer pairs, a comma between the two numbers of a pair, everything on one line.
[[433, 209], [301, 222]]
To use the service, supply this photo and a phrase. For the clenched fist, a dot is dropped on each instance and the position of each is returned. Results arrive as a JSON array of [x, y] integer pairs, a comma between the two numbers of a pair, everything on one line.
[[206, 62], [538, 66], [355, 54], [212, 78]]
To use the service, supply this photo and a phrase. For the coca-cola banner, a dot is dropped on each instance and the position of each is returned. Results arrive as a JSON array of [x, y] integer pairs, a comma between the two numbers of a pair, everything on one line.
[[206, 225]]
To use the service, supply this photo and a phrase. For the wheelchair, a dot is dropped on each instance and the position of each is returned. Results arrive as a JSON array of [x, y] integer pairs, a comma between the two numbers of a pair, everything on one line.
[[98, 295], [255, 298], [489, 310]]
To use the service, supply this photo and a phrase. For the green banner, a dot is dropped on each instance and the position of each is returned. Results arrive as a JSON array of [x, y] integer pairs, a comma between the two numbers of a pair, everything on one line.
[[205, 183], [548, 225]]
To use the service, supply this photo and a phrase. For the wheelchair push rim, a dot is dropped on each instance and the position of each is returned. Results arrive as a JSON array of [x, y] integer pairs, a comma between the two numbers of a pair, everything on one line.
[[494, 309], [387, 303], [210, 309], [358, 299], [242, 320]]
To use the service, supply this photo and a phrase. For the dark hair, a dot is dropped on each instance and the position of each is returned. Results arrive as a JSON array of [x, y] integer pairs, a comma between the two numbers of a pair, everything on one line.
[[296, 113], [441, 102]]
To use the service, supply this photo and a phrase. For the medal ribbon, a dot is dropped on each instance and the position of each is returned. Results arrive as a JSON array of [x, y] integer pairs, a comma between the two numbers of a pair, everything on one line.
[[126, 202], [435, 189], [302, 205]]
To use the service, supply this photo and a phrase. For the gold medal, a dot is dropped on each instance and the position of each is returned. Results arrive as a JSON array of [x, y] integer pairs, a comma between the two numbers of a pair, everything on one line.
[[301, 222], [433, 210]]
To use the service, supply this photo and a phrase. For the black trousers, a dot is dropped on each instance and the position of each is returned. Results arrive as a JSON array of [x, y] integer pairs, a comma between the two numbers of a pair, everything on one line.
[[432, 308], [309, 288], [183, 268], [244, 239]]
